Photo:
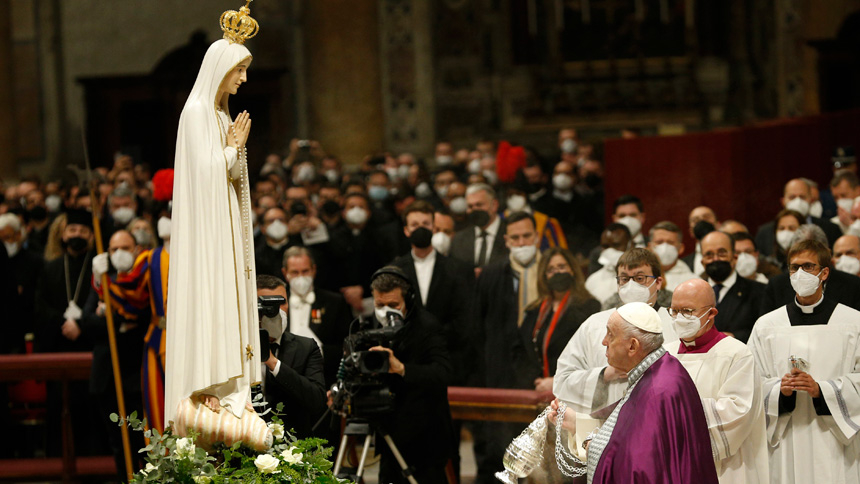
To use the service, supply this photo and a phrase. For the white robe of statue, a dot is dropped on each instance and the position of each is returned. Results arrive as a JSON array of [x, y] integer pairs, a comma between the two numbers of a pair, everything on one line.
[[581, 364], [213, 344], [806, 448], [730, 388]]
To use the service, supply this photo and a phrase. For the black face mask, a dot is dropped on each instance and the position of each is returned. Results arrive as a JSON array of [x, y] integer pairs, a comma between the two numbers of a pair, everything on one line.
[[330, 208], [421, 237], [76, 244], [38, 213], [479, 218], [702, 228], [533, 188], [560, 281], [719, 270], [592, 180]]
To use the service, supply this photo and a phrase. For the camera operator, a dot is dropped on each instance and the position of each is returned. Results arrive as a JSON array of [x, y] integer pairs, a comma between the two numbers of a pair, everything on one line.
[[294, 369], [419, 370]]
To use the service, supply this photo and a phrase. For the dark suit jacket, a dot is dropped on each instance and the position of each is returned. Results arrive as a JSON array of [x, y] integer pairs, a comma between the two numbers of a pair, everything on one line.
[[740, 308], [449, 300], [495, 317], [841, 287], [299, 384], [331, 326], [463, 246], [354, 258], [765, 238]]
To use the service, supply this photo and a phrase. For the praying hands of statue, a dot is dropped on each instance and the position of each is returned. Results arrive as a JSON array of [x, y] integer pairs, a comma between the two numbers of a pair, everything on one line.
[[798, 380], [238, 134]]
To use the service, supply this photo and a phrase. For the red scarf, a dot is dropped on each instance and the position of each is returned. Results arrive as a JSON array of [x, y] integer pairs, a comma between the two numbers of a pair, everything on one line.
[[544, 309]]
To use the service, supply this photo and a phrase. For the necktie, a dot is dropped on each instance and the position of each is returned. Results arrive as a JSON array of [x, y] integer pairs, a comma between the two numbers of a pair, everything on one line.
[[717, 288], [482, 255]]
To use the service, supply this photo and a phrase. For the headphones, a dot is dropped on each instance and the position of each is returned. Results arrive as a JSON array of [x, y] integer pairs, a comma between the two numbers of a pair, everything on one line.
[[409, 294]]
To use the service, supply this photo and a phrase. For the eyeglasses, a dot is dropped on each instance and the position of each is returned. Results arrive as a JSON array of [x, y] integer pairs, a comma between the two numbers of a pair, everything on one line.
[[807, 267], [639, 279], [686, 312]]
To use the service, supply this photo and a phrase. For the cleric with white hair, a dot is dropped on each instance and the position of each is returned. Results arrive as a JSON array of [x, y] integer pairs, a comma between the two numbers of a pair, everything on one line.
[[657, 432]]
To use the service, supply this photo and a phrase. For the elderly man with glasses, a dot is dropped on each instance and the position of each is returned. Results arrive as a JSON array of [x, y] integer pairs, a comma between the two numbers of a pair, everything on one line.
[[725, 375]]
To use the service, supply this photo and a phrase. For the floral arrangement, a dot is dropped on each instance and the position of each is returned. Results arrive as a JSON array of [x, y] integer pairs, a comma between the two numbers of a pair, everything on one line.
[[176, 459]]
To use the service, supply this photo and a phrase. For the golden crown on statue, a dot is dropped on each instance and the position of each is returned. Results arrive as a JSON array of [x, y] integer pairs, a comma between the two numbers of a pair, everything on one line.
[[239, 26]]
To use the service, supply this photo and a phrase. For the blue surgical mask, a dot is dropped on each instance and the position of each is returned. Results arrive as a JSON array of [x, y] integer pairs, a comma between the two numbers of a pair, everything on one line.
[[377, 193]]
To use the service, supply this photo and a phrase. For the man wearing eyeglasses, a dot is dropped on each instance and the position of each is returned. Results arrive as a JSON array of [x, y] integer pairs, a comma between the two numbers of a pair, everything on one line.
[[725, 375], [808, 355], [738, 299]]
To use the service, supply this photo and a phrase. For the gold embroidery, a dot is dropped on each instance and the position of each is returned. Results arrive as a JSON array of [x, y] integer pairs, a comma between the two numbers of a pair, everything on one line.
[[249, 353]]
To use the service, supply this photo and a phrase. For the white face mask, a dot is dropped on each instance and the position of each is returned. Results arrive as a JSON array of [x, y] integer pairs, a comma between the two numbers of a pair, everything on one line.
[[816, 209], [332, 176], [277, 231], [634, 292], [804, 283], [474, 166], [568, 145], [164, 228], [403, 171], [423, 190], [123, 215], [798, 205], [667, 253], [393, 174], [524, 255], [854, 228], [12, 248], [746, 264], [491, 176], [442, 191], [275, 325], [783, 238], [562, 181], [849, 264], [516, 203], [609, 258], [845, 204], [301, 285], [356, 216], [687, 328], [458, 205], [122, 260], [381, 314], [305, 173], [142, 237], [443, 160], [632, 223], [441, 242], [53, 203]]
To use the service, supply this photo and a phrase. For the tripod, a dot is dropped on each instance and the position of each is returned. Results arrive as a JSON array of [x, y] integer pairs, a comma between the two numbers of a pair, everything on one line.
[[358, 427]]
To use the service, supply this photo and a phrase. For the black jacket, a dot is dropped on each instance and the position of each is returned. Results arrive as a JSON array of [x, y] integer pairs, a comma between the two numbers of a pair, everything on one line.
[[841, 287], [463, 246], [51, 303], [495, 316], [299, 384], [449, 300], [329, 320], [740, 308]]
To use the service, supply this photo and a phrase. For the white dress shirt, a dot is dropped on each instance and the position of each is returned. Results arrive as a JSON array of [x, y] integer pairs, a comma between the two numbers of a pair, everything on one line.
[[492, 232], [424, 272]]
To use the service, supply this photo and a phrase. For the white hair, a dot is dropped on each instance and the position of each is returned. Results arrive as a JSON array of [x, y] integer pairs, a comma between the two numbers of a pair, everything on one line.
[[10, 220], [481, 187], [810, 232], [648, 341]]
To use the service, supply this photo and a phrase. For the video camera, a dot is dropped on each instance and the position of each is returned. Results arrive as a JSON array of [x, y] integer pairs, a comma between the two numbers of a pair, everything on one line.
[[361, 390], [267, 307]]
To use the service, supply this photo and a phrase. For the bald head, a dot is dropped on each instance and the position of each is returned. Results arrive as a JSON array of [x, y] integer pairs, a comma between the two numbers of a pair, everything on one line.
[[717, 240], [733, 227], [846, 245], [797, 188], [701, 213], [694, 293]]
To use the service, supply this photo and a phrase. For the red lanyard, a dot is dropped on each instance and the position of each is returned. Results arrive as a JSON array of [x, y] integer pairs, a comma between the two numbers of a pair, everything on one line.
[[544, 307]]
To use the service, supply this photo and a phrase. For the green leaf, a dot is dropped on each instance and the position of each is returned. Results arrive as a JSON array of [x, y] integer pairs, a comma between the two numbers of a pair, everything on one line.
[[114, 418]]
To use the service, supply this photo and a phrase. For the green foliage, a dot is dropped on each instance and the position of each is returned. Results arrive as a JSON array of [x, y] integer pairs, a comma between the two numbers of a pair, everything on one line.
[[173, 459]]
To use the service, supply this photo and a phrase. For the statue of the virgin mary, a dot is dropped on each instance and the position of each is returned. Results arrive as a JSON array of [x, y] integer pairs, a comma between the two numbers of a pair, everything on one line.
[[213, 343]]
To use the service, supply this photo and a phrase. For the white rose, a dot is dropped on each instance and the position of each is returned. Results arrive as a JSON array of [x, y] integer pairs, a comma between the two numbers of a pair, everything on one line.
[[202, 479], [290, 457], [267, 464], [185, 447], [277, 430], [149, 468]]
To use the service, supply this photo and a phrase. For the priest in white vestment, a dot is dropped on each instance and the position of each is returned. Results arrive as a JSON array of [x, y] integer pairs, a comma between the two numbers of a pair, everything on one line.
[[808, 354], [725, 375], [582, 364], [213, 342]]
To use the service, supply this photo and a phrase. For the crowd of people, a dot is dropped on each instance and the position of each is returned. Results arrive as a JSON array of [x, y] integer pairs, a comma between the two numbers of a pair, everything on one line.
[[517, 269]]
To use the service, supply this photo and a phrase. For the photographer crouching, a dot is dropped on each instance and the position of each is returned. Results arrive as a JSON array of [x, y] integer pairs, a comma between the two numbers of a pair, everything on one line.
[[405, 396]]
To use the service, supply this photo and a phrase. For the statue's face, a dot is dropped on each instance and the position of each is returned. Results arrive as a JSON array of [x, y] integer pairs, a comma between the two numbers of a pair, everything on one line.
[[235, 78]]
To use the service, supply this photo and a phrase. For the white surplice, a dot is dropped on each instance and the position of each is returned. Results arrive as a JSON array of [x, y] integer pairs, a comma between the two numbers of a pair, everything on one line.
[[730, 388], [805, 447], [602, 284], [581, 364], [213, 342], [677, 275]]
